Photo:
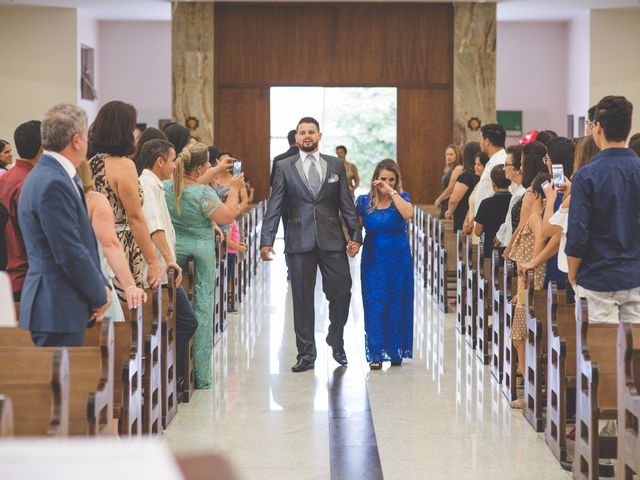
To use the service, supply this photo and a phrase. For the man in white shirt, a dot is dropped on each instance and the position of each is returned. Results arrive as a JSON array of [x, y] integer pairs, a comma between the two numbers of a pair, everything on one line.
[[492, 143], [158, 160], [513, 171]]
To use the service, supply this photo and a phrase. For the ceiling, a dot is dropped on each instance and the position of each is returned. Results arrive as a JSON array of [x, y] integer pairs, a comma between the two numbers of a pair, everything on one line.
[[508, 10]]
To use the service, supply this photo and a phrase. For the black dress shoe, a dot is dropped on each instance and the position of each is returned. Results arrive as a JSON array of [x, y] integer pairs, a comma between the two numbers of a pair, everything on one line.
[[302, 365], [340, 356]]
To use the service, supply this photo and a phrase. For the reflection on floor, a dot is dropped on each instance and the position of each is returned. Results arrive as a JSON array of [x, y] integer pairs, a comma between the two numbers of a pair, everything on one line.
[[440, 415]]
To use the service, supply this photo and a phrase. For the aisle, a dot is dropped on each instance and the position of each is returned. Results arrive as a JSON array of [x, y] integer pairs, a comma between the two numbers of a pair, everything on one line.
[[439, 415]]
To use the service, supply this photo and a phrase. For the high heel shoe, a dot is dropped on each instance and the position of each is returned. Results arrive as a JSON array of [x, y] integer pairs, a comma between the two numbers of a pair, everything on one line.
[[375, 365]]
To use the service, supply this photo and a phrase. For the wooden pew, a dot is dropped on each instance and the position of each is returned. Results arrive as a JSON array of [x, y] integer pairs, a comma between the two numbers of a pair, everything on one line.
[[6, 416], [535, 353], [596, 392], [430, 246], [471, 286], [127, 359], [186, 392], [561, 369], [168, 353], [221, 280], [628, 373], [152, 318], [91, 381], [38, 382], [482, 331], [462, 269], [447, 264], [509, 357], [497, 314]]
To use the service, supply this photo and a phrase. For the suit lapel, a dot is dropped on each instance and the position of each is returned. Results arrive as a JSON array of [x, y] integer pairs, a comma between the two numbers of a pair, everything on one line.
[[326, 176], [297, 167], [55, 165]]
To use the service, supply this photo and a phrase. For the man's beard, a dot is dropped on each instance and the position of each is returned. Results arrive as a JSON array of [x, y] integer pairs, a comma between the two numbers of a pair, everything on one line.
[[311, 148]]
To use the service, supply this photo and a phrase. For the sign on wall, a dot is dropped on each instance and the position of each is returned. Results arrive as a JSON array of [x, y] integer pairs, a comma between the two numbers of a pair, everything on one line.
[[511, 120]]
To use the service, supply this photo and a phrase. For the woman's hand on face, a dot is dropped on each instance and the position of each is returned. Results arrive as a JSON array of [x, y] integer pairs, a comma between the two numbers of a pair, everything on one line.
[[383, 187], [237, 182]]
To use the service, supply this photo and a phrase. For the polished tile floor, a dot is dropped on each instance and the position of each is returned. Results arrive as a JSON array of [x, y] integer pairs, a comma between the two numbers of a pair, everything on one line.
[[440, 415]]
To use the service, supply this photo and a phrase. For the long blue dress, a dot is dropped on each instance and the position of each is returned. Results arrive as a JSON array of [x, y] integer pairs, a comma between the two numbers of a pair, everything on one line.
[[387, 283]]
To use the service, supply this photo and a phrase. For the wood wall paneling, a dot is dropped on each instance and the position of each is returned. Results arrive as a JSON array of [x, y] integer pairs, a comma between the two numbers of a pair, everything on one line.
[[242, 127]]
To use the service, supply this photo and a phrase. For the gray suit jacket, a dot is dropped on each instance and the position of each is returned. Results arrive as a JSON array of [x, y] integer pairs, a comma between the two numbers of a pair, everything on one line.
[[312, 220]]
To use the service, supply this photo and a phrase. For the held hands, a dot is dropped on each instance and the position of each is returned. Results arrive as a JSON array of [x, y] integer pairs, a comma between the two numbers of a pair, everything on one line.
[[353, 248], [266, 252]]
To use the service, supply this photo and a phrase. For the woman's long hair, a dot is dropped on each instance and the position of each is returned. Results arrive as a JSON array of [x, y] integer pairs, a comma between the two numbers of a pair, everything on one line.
[[586, 149], [469, 154], [190, 158], [390, 166], [458, 153]]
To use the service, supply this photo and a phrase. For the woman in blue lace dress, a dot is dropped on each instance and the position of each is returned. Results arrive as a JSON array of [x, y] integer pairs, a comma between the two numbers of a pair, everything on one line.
[[386, 268]]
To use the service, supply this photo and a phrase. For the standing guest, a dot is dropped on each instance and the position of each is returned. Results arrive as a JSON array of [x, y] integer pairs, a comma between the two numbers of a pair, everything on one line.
[[293, 150], [602, 248], [513, 172], [6, 157], [386, 268], [453, 167], [157, 158], [492, 143], [113, 261], [222, 181], [634, 143], [148, 134], [4, 219], [64, 287], [178, 135], [315, 191], [589, 122], [353, 177], [545, 136], [234, 247], [192, 206], [493, 211], [458, 203], [527, 242], [29, 146], [116, 177], [478, 168]]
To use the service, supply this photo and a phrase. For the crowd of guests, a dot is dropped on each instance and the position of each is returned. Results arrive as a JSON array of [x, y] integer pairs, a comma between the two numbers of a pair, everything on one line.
[[90, 218], [579, 229]]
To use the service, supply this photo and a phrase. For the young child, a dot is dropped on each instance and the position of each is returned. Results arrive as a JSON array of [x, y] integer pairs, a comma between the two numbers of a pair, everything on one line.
[[233, 247], [493, 210]]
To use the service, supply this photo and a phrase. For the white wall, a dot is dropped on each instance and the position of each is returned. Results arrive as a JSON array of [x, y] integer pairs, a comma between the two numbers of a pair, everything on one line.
[[615, 41], [579, 58], [135, 67], [531, 73], [87, 27], [38, 52]]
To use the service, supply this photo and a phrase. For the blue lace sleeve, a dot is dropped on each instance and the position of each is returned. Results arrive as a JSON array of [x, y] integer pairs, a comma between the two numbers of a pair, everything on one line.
[[361, 205], [405, 196]]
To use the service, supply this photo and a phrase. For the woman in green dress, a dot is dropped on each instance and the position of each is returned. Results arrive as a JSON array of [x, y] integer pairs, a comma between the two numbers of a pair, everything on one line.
[[194, 207]]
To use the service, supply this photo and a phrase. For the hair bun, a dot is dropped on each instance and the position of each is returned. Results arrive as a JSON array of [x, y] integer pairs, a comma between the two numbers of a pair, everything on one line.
[[185, 156]]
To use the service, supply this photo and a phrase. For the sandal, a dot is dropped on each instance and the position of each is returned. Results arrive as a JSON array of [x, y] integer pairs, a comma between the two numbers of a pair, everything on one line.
[[375, 365]]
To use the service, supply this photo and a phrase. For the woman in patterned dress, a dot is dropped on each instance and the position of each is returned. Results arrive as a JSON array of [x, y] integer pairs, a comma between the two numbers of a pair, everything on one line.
[[527, 243], [386, 268], [193, 207], [115, 176]]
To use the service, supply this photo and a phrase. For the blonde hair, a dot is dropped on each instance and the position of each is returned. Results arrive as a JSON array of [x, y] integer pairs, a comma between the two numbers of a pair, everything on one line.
[[458, 153], [390, 166], [84, 172], [191, 157], [586, 148]]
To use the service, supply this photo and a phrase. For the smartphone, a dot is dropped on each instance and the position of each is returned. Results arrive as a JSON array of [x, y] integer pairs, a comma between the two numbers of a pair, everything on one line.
[[544, 185], [237, 167], [558, 175]]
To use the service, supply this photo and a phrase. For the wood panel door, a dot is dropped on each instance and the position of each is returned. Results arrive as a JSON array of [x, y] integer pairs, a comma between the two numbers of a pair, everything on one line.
[[242, 126]]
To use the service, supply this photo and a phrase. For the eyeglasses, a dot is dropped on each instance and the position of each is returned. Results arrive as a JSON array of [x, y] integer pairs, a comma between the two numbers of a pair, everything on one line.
[[589, 124], [508, 164]]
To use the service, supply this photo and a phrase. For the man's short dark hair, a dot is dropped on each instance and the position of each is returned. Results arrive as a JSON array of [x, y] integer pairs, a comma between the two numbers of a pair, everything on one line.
[[614, 113], [498, 177], [28, 139], [153, 149], [308, 120], [591, 113], [634, 143], [342, 147], [291, 136], [495, 133], [545, 136]]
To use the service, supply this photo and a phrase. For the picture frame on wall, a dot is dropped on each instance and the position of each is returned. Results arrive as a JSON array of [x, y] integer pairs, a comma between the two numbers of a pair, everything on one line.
[[87, 74]]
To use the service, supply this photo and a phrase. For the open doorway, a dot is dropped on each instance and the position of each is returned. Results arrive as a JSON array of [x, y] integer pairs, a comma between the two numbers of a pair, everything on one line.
[[364, 120]]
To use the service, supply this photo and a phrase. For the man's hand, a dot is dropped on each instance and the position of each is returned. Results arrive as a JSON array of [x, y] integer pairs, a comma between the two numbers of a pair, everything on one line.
[[353, 248], [98, 313], [178, 276], [266, 252], [154, 274]]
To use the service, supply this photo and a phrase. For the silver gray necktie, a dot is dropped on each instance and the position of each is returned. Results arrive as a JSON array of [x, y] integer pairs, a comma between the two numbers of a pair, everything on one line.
[[314, 177]]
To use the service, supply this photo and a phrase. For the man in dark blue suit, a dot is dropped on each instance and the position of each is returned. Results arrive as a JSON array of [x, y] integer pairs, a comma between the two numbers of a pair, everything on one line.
[[64, 288]]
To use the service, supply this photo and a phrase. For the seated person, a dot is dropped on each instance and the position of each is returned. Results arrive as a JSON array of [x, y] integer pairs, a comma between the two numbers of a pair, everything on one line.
[[493, 210]]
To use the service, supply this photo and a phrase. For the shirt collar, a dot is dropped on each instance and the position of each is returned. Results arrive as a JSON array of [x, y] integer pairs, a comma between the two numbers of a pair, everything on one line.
[[152, 177], [23, 164], [303, 155], [65, 162], [613, 152], [498, 154]]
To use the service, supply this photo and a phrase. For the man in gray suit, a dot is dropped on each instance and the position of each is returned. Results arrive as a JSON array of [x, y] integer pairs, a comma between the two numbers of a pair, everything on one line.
[[315, 191]]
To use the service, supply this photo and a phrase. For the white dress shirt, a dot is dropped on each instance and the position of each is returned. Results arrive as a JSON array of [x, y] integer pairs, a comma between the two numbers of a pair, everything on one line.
[[561, 219], [306, 163], [68, 167], [485, 186], [506, 229], [156, 214]]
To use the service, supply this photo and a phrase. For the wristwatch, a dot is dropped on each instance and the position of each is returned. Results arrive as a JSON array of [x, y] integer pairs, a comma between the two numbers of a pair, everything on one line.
[[394, 193]]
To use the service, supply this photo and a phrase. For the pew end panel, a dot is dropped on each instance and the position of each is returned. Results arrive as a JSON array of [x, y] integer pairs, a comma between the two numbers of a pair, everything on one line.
[[509, 356], [168, 353], [482, 327], [628, 375], [497, 314]]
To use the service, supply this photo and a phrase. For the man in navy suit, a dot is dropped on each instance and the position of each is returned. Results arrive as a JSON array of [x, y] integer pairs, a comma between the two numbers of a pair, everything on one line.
[[64, 288]]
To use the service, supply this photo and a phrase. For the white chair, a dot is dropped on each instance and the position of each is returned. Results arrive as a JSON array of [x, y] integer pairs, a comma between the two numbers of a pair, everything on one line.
[[7, 310]]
